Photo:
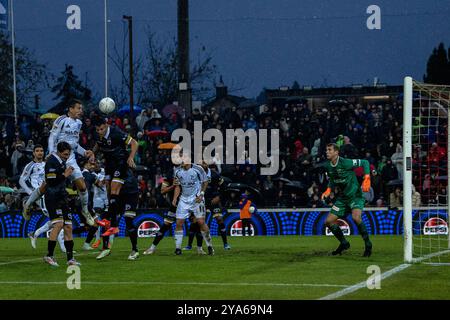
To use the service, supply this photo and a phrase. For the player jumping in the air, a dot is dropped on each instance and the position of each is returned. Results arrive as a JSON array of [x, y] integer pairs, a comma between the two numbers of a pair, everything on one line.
[[56, 173], [349, 196], [213, 203], [67, 128], [113, 143], [127, 204], [32, 177], [191, 181]]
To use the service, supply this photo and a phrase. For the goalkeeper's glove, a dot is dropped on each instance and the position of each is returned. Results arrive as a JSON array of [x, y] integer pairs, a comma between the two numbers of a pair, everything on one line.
[[326, 193], [366, 183]]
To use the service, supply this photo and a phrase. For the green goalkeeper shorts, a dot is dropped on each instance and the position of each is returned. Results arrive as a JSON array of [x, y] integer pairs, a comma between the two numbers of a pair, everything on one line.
[[342, 207]]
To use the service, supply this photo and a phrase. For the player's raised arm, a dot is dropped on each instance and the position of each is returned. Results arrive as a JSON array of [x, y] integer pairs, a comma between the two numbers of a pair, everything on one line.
[[134, 148]]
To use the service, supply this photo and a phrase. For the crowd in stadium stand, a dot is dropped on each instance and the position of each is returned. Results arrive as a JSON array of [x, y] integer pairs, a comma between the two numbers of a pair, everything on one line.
[[372, 132]]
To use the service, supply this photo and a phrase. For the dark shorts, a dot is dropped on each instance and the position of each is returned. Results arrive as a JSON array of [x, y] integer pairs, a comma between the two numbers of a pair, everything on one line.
[[58, 211], [342, 207], [216, 209], [116, 172]]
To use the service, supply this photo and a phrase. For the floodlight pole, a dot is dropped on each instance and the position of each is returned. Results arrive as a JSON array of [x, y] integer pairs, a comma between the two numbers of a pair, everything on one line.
[[13, 45], [106, 47]]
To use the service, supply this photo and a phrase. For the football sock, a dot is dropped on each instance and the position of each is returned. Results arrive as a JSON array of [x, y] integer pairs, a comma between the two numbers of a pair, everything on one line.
[[47, 226], [178, 239], [207, 236], [364, 234], [51, 248], [84, 198], [160, 234], [132, 232], [192, 231], [338, 233], [223, 232], [199, 237], [113, 209], [105, 242], [90, 235], [36, 194], [69, 248]]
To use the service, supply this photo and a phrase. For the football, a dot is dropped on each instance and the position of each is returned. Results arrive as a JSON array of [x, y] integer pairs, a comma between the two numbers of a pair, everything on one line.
[[107, 105], [251, 209]]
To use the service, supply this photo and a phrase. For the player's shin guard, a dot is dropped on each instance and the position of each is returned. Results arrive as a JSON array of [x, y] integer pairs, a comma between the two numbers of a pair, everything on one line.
[[69, 249], [34, 196], [207, 236], [160, 234], [364, 234], [132, 232], [338, 233], [178, 239], [223, 232], [113, 209]]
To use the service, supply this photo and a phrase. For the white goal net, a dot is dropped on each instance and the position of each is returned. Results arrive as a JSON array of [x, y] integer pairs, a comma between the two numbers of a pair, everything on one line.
[[425, 172]]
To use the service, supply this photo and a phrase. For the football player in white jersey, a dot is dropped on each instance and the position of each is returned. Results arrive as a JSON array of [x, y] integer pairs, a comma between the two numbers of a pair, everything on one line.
[[67, 128], [31, 178], [191, 182]]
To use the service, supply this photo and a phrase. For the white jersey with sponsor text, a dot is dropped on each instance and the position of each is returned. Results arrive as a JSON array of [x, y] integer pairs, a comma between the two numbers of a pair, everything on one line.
[[66, 129], [34, 173], [190, 181]]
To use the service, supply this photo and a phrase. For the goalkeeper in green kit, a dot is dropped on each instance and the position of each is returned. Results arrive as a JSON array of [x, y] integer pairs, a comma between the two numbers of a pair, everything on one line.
[[349, 196]]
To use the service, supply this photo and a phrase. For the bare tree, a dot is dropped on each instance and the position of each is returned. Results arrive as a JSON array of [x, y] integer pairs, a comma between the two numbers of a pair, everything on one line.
[[31, 77], [156, 72]]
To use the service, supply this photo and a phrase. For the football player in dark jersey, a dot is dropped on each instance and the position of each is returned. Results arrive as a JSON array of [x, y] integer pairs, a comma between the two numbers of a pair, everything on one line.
[[56, 174], [127, 204], [113, 143], [167, 190]]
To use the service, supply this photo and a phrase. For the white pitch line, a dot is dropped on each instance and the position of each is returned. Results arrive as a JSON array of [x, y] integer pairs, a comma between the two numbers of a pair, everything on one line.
[[385, 275], [176, 283], [37, 259], [363, 284]]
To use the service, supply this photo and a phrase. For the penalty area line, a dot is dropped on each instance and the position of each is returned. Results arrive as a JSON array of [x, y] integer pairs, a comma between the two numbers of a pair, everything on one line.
[[363, 284], [176, 283]]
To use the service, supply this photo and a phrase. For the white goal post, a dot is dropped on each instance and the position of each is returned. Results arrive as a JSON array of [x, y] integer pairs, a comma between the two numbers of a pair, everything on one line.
[[426, 105]]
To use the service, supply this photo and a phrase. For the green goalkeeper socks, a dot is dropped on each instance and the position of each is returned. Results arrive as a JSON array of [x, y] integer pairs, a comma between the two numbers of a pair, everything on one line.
[[338, 233], [364, 234]]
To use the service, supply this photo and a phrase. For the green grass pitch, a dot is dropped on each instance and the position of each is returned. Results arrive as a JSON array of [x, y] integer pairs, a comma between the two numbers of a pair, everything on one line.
[[282, 267]]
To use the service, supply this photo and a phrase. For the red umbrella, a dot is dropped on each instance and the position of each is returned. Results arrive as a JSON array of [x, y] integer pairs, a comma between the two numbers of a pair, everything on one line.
[[156, 133]]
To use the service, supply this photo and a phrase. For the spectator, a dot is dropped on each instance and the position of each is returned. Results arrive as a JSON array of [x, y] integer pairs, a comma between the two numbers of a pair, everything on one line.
[[416, 198], [397, 160], [396, 198], [141, 120]]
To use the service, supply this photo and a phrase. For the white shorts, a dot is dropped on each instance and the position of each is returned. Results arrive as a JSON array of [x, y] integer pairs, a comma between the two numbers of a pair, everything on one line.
[[72, 162], [186, 208]]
